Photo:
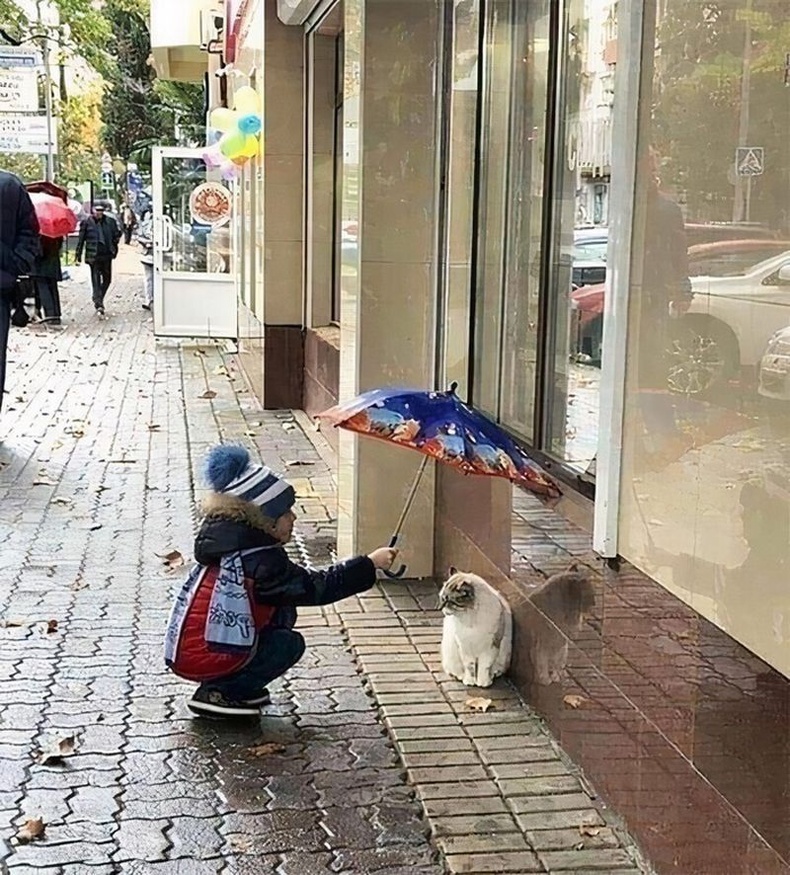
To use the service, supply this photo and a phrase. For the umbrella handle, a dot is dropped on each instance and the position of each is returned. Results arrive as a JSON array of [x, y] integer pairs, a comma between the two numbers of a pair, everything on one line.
[[394, 575]]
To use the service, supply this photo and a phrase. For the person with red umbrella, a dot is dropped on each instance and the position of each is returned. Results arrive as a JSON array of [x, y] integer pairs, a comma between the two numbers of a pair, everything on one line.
[[19, 248]]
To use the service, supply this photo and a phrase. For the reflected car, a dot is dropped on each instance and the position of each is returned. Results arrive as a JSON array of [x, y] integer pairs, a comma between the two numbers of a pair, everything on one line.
[[733, 316], [589, 256]]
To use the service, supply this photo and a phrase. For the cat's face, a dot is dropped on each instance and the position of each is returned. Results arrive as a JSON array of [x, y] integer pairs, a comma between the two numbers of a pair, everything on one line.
[[458, 594]]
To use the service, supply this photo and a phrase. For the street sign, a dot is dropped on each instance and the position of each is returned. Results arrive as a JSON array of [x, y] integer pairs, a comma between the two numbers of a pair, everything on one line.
[[750, 160], [18, 89], [26, 133], [107, 179], [19, 56]]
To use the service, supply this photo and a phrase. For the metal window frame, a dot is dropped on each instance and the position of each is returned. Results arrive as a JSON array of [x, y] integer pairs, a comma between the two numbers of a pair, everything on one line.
[[629, 85]]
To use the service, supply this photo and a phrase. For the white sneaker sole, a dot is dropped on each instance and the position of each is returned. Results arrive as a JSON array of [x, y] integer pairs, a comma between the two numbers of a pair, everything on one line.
[[203, 709]]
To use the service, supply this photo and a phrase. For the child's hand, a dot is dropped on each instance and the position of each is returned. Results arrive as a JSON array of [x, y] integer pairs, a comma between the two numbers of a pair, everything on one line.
[[383, 557]]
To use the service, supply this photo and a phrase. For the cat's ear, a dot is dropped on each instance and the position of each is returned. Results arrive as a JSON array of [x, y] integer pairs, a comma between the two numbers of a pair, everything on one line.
[[452, 570]]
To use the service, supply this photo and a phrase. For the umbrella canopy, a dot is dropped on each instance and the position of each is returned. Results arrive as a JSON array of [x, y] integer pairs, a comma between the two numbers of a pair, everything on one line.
[[44, 187], [442, 426], [55, 218]]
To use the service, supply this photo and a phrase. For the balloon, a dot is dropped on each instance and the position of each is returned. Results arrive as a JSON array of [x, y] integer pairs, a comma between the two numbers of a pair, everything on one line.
[[250, 124], [229, 170], [223, 119], [232, 143], [246, 101], [213, 157], [251, 147]]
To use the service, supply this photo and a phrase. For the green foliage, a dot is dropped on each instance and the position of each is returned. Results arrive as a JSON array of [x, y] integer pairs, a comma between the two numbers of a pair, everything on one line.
[[697, 104], [139, 111], [80, 137]]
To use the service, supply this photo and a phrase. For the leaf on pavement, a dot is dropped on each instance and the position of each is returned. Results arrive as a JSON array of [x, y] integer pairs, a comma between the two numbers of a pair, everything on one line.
[[153, 426], [263, 750], [589, 829], [574, 701], [64, 502], [221, 371], [479, 703], [209, 393], [47, 627], [31, 829], [44, 482], [298, 462], [172, 559], [57, 752], [13, 623]]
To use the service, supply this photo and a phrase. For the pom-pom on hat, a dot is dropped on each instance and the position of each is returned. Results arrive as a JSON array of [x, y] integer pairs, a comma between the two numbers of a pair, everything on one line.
[[230, 471]]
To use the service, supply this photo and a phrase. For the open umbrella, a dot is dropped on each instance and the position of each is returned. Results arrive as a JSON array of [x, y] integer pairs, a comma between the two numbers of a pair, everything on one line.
[[441, 426], [55, 218]]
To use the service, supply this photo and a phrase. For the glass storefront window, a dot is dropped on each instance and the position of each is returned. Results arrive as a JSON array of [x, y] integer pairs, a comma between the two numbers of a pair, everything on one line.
[[510, 211], [705, 499]]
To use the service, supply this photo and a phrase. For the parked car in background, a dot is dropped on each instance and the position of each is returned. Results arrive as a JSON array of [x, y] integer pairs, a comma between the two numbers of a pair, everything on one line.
[[589, 256], [741, 297]]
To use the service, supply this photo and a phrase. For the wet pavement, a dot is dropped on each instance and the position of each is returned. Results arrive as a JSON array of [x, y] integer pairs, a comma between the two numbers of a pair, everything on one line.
[[368, 760]]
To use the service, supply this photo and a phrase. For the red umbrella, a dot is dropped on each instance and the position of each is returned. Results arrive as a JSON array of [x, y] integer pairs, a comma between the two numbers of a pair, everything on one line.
[[55, 218]]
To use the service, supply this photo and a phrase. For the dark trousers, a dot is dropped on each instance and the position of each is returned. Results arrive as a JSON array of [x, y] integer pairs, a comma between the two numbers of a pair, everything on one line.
[[127, 233], [48, 297], [5, 324], [278, 650], [101, 277]]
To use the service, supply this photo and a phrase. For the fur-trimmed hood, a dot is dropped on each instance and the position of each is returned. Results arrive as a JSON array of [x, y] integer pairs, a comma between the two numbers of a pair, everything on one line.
[[228, 507], [230, 525]]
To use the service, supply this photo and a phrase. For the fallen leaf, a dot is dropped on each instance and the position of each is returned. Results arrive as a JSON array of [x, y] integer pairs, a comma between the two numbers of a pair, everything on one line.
[[209, 393], [588, 829], [32, 828], [478, 703], [152, 426], [172, 560], [240, 843], [256, 424], [56, 753], [95, 527], [12, 623], [44, 483], [48, 627], [295, 462], [250, 434], [574, 701], [221, 371], [59, 499], [270, 747], [289, 426], [199, 352]]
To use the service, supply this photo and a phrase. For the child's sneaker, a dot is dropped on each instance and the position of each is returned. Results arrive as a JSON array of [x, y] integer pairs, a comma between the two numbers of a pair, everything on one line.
[[213, 703], [259, 699]]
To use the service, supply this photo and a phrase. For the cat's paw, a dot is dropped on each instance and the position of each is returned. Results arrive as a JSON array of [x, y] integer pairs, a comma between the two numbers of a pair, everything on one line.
[[484, 680], [468, 680]]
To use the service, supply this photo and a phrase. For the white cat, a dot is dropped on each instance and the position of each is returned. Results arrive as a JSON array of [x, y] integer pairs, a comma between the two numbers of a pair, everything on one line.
[[478, 630]]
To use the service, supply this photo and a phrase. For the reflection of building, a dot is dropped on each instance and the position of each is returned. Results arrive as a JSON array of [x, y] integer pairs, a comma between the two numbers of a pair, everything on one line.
[[594, 133], [399, 232]]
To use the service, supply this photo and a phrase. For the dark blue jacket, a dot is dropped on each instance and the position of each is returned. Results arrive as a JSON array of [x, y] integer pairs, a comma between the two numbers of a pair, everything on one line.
[[90, 237], [19, 240], [277, 581]]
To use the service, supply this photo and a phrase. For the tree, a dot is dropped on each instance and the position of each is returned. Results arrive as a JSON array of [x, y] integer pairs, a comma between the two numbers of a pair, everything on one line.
[[140, 111], [81, 136]]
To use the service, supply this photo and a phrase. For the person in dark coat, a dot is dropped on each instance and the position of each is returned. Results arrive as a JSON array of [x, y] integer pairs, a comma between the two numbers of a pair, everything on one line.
[[46, 274], [98, 240], [19, 249], [249, 518]]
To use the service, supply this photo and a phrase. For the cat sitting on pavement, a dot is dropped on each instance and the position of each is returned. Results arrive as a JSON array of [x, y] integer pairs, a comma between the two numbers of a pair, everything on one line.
[[478, 630]]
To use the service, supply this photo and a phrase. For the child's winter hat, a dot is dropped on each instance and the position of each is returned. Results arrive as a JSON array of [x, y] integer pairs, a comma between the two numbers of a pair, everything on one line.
[[229, 471]]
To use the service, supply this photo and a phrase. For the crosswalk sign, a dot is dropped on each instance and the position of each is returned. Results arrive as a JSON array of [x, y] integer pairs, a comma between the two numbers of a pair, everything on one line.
[[750, 160]]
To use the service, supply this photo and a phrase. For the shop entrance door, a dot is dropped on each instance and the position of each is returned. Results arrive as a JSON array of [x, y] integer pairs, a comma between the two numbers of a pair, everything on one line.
[[194, 283]]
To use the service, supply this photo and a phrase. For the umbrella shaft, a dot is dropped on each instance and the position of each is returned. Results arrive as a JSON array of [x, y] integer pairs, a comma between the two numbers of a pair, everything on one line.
[[411, 496]]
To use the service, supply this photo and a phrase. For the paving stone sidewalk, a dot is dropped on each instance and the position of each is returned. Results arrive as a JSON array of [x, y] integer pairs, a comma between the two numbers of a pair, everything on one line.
[[102, 435]]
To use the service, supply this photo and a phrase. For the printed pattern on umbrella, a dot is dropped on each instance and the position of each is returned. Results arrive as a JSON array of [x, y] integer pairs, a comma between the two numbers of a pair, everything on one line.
[[441, 425]]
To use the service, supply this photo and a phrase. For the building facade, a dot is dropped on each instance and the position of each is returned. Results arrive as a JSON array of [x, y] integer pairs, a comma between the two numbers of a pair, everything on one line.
[[491, 192]]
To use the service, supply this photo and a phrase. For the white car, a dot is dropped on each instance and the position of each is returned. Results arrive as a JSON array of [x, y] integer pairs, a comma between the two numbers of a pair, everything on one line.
[[738, 315]]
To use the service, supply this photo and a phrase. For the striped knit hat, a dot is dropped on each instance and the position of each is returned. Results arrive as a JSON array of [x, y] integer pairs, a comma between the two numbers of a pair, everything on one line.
[[230, 471]]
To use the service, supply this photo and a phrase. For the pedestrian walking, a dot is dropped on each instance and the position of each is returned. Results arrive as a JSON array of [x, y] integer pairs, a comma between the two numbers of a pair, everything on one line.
[[145, 237], [231, 626], [19, 249], [98, 240], [46, 275], [129, 222]]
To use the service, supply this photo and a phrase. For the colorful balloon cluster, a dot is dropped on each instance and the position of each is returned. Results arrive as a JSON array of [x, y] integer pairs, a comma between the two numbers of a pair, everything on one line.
[[241, 130]]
